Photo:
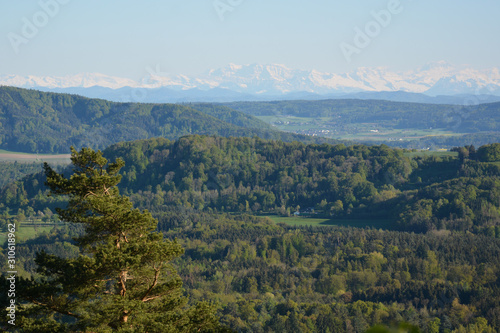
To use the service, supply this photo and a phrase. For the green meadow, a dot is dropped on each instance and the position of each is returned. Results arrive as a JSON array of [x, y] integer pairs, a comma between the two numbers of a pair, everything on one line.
[[325, 222]]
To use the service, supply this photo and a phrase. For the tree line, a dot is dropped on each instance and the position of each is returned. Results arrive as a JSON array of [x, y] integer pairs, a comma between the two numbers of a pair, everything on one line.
[[252, 175]]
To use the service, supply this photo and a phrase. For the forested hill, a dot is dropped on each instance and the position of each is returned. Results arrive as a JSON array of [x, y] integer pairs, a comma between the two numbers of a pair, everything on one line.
[[204, 191], [367, 182], [253, 175], [34, 121]]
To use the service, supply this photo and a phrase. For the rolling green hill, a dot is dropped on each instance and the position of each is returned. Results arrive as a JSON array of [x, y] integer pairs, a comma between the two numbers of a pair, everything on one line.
[[251, 175], [34, 121]]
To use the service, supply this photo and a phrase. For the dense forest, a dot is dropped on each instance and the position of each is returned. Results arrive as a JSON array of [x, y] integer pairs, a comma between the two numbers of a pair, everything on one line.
[[252, 175], [274, 278], [39, 122], [12, 171], [434, 266]]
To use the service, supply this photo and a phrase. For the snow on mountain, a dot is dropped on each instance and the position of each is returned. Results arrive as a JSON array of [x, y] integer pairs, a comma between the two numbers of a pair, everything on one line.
[[272, 79], [440, 78], [467, 81], [85, 80]]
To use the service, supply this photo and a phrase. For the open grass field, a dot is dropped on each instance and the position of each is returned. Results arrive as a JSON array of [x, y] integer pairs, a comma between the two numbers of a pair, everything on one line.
[[10, 156], [378, 133], [286, 119], [322, 222]]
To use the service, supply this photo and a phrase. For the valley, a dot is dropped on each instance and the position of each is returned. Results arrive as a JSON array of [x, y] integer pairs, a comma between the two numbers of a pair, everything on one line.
[[397, 124]]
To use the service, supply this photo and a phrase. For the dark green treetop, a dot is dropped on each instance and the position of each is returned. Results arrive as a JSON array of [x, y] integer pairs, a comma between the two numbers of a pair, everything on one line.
[[122, 280]]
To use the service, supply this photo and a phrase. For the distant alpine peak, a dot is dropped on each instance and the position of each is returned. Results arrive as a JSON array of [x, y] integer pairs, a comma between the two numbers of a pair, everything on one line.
[[436, 78], [81, 80]]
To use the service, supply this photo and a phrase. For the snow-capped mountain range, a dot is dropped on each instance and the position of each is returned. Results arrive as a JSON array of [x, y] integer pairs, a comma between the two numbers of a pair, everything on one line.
[[257, 81]]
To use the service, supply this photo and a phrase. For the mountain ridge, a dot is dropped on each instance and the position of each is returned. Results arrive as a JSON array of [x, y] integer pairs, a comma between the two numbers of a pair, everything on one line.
[[264, 82]]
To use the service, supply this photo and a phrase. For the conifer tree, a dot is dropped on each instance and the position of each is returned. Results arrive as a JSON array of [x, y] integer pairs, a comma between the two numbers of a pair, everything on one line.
[[123, 280]]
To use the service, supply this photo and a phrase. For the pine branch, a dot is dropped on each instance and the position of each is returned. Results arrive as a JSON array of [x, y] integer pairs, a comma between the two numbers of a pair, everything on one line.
[[155, 281], [54, 308]]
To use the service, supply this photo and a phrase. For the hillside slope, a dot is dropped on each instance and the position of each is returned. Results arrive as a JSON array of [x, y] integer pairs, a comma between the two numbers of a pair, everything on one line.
[[34, 121], [407, 190]]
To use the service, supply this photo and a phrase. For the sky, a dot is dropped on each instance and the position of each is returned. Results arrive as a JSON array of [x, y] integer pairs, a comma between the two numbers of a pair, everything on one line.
[[127, 38]]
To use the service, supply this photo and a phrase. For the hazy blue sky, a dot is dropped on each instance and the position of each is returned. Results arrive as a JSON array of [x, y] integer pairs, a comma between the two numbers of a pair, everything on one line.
[[124, 37]]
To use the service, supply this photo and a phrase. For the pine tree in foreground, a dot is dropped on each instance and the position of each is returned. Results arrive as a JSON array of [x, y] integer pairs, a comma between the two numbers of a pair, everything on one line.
[[122, 281]]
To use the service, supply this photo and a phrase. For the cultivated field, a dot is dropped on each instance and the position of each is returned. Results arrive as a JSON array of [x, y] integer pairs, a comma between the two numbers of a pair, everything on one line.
[[322, 222], [9, 156]]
